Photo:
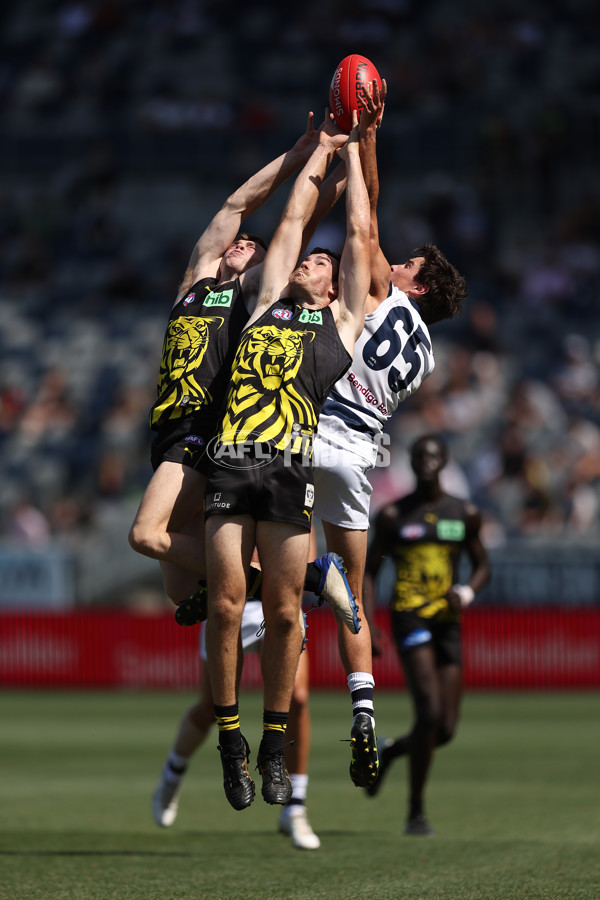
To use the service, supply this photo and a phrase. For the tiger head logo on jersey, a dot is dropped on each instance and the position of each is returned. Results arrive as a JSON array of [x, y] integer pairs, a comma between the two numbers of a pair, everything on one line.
[[179, 386], [263, 398], [424, 575], [185, 344], [273, 356]]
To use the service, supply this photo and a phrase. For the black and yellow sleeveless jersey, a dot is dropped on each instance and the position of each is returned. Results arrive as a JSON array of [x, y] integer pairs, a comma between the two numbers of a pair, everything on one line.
[[200, 342], [428, 542], [285, 366]]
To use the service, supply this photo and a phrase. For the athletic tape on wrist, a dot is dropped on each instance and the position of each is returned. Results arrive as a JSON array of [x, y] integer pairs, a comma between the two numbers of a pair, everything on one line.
[[466, 594]]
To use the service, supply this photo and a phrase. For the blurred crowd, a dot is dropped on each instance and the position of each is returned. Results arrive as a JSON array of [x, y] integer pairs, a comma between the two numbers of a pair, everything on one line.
[[126, 124]]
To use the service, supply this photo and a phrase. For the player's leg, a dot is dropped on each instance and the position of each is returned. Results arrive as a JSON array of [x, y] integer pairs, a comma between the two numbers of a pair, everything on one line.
[[230, 542], [355, 653], [448, 644], [191, 734], [293, 819], [169, 526], [197, 722], [423, 683], [283, 551]]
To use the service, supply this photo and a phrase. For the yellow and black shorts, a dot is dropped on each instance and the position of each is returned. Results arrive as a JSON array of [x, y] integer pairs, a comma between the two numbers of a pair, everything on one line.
[[411, 630], [184, 441], [262, 482]]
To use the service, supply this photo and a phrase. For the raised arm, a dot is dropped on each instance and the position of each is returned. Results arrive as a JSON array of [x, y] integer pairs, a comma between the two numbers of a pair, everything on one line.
[[286, 243], [329, 193], [380, 267], [222, 230], [354, 278]]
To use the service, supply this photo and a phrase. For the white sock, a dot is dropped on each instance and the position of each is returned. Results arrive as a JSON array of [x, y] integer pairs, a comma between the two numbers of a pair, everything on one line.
[[361, 686], [299, 787], [175, 767]]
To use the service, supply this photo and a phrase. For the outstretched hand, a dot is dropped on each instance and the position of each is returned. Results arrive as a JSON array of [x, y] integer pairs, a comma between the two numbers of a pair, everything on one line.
[[309, 140], [372, 101], [330, 132]]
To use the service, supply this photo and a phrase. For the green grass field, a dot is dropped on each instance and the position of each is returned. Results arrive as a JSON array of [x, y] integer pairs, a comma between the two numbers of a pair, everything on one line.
[[515, 801]]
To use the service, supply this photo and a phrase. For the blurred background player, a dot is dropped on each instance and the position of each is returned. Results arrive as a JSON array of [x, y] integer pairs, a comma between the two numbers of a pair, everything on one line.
[[425, 533], [199, 719], [391, 358]]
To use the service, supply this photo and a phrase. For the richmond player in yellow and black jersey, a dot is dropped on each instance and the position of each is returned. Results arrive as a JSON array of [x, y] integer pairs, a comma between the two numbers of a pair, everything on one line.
[[297, 343], [425, 534], [202, 335], [201, 338], [286, 363]]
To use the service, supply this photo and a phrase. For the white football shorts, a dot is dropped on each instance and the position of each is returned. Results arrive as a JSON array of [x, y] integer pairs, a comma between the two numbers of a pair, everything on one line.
[[252, 627], [342, 489]]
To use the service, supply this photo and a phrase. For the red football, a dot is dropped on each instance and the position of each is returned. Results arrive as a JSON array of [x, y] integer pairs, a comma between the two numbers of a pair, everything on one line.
[[347, 83]]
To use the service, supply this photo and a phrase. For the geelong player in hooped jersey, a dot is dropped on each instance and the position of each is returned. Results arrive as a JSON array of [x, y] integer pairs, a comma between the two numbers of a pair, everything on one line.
[[392, 358], [390, 361]]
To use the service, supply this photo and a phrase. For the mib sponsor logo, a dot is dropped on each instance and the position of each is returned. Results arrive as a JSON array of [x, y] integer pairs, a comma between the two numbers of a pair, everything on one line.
[[195, 439], [312, 316], [188, 299], [218, 298]]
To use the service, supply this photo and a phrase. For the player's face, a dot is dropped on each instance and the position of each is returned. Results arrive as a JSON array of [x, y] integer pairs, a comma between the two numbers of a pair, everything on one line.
[[242, 255], [314, 276], [427, 460], [405, 275]]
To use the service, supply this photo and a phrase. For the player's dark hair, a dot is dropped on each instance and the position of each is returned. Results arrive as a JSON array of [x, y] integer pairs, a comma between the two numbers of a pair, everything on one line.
[[246, 236], [447, 287], [436, 438], [333, 256]]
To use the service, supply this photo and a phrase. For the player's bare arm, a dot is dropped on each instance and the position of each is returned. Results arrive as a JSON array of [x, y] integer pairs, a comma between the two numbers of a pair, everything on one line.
[[222, 230], [354, 278], [480, 565], [284, 248], [329, 193], [374, 103]]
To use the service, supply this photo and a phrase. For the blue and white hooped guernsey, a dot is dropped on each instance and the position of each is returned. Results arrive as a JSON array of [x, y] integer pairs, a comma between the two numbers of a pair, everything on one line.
[[392, 357]]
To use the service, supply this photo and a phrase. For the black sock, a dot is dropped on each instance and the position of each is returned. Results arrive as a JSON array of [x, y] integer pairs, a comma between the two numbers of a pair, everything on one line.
[[228, 723], [415, 809], [255, 583], [398, 748], [312, 579], [274, 725]]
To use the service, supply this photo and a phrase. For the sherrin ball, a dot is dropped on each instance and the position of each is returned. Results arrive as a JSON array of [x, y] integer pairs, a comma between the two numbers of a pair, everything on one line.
[[349, 79]]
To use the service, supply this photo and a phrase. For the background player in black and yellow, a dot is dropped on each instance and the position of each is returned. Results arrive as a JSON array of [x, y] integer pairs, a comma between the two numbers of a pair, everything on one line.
[[297, 343], [425, 533]]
